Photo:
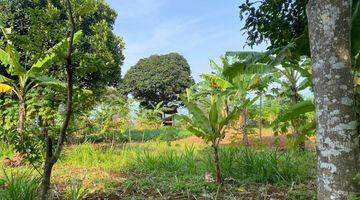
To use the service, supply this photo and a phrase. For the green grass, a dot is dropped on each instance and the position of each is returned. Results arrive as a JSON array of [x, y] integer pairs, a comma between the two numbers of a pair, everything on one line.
[[19, 185], [158, 169], [185, 170], [165, 133], [5, 150]]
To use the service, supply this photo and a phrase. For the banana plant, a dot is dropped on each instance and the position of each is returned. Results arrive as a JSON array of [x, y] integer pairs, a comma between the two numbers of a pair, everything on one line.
[[245, 74], [209, 121], [21, 81], [292, 74]]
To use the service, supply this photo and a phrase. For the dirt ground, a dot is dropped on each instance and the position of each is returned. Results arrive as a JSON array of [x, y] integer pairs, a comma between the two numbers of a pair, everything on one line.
[[267, 139]]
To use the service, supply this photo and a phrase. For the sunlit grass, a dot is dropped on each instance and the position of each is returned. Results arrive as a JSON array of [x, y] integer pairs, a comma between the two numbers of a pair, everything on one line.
[[176, 170]]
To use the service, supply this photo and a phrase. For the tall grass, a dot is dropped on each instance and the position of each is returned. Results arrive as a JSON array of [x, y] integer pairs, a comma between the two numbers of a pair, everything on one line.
[[19, 185], [97, 157], [5, 150], [165, 133], [170, 161], [241, 164], [75, 190]]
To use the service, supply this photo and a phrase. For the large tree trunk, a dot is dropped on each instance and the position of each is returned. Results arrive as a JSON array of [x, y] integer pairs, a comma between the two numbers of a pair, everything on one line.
[[337, 139]]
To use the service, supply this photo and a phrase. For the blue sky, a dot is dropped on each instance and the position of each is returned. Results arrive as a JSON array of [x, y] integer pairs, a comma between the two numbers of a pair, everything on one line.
[[200, 30]]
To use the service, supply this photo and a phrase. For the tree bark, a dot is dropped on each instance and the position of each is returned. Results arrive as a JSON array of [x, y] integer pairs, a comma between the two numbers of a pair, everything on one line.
[[215, 146], [260, 118], [45, 182], [337, 139], [22, 113], [244, 124], [295, 98]]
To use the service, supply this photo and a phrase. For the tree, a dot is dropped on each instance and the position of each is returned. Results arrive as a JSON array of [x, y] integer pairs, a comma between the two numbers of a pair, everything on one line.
[[209, 121], [337, 135], [39, 25], [277, 22], [52, 155], [159, 78], [21, 81]]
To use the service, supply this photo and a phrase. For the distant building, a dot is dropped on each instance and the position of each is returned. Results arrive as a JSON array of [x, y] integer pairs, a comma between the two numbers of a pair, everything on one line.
[[169, 120]]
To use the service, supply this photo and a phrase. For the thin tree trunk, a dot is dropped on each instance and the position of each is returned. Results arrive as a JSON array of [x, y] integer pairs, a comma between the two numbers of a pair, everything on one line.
[[244, 124], [295, 124], [143, 136], [22, 113], [51, 158], [46, 179], [215, 147], [260, 120], [337, 139]]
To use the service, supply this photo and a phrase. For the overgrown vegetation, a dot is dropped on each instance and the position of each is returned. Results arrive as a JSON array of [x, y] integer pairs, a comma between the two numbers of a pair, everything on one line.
[[72, 128], [156, 169]]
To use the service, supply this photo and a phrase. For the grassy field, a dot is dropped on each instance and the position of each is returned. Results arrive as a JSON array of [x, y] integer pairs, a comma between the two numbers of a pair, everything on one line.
[[174, 170]]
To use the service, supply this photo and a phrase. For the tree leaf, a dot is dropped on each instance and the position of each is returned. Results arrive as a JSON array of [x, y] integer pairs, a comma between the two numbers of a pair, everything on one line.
[[199, 119], [295, 111], [233, 115], [5, 88], [3, 79], [13, 61], [217, 81], [50, 82], [214, 112], [52, 54], [4, 58]]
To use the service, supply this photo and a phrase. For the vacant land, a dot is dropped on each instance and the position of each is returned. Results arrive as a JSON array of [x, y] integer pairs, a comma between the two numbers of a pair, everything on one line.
[[179, 169]]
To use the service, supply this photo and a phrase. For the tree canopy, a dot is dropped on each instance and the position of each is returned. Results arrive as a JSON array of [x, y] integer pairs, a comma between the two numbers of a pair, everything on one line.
[[158, 78], [277, 22], [38, 25]]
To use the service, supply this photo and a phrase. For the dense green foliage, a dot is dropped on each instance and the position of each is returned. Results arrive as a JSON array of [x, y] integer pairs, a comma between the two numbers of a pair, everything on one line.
[[118, 146], [278, 22], [38, 25], [159, 78]]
